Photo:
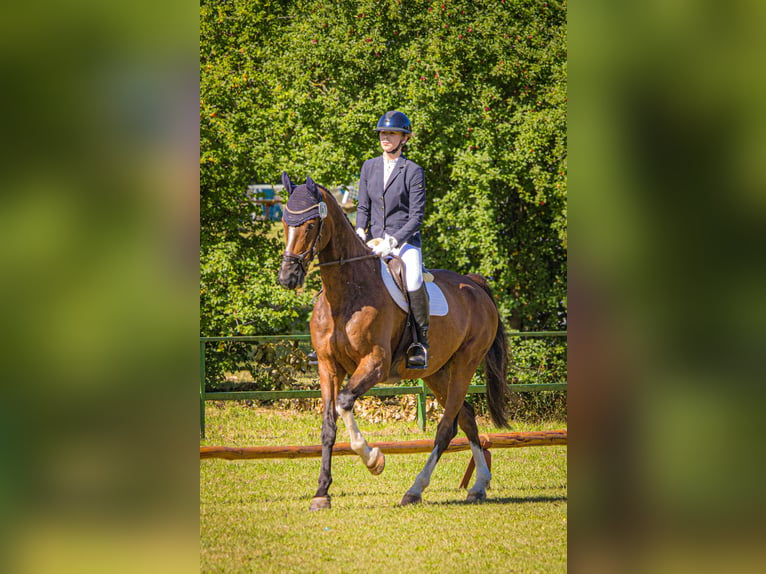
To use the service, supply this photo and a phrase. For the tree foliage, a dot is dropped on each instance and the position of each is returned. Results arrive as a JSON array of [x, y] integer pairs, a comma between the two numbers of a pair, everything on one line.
[[298, 86]]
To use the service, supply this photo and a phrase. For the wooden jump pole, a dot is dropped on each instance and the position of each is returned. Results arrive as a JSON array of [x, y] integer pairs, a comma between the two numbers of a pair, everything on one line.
[[499, 440]]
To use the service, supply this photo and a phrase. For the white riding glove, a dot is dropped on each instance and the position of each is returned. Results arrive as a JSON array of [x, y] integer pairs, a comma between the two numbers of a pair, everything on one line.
[[360, 232], [383, 247]]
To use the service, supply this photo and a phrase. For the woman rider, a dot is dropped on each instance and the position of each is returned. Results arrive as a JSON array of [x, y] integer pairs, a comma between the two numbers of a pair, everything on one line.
[[391, 205]]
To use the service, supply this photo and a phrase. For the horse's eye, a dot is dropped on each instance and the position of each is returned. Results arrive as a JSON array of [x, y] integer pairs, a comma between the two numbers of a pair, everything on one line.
[[310, 226]]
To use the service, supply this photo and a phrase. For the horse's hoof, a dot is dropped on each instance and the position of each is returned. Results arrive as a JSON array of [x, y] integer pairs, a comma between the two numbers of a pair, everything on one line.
[[377, 464], [408, 499], [480, 496], [320, 503]]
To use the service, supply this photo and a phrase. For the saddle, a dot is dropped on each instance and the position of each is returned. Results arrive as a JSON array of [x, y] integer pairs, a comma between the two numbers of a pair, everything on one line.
[[392, 270], [398, 292], [396, 269]]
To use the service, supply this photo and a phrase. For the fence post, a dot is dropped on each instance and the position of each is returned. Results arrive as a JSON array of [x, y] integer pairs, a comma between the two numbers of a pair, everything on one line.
[[202, 388], [422, 405]]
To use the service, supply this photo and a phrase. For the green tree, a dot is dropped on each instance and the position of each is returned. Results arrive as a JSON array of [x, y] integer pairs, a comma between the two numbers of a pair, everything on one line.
[[298, 86]]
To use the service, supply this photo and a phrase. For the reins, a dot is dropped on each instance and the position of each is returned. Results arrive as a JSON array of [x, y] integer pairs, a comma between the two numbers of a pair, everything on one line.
[[342, 261]]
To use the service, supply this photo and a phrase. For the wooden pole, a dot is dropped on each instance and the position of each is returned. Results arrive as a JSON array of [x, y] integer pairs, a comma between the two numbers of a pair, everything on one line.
[[500, 440]]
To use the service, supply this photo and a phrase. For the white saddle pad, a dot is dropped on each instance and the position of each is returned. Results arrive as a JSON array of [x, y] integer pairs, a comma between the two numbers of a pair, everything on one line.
[[438, 302]]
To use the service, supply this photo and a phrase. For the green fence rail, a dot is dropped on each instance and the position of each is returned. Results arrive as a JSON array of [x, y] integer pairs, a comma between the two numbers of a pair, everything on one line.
[[420, 389]]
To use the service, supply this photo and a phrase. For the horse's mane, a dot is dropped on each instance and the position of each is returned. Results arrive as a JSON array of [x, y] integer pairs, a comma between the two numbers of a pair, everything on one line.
[[337, 207]]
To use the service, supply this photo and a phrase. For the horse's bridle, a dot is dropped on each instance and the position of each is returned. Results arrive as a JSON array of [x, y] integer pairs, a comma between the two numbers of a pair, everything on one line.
[[300, 258], [305, 257]]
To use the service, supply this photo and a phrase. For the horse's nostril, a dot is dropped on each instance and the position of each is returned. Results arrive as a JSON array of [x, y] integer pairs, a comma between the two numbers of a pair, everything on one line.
[[286, 282], [290, 278]]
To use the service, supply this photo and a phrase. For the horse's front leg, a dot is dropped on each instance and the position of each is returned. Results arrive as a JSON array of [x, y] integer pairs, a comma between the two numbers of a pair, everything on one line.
[[330, 380], [372, 370]]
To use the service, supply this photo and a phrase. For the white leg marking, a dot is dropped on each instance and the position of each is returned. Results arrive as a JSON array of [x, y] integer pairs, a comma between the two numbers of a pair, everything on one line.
[[358, 443], [424, 478], [483, 475]]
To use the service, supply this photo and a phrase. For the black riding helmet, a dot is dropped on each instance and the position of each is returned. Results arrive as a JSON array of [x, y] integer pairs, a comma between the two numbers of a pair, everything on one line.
[[394, 122]]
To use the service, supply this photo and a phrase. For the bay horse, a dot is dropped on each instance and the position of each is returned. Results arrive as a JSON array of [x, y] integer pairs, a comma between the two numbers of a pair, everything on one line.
[[357, 329]]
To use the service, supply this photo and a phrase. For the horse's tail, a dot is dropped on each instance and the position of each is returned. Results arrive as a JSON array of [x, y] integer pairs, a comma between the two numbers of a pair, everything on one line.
[[495, 365]]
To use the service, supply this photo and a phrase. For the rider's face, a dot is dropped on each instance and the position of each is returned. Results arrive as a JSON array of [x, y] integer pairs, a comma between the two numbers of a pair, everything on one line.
[[389, 141]]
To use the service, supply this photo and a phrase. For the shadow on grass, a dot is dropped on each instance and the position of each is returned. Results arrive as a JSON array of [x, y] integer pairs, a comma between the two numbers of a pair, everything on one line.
[[462, 501], [364, 499], [504, 500], [362, 494]]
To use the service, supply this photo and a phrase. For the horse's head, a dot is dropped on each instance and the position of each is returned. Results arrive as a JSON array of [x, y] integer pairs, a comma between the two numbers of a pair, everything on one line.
[[303, 218]]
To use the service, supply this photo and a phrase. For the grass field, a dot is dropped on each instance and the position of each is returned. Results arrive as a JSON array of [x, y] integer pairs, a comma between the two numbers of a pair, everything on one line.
[[254, 514]]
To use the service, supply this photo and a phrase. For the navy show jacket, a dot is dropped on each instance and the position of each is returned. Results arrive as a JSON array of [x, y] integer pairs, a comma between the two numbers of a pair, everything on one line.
[[399, 208]]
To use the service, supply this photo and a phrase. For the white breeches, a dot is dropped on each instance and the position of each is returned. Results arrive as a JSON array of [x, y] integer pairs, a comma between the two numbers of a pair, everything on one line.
[[413, 265]]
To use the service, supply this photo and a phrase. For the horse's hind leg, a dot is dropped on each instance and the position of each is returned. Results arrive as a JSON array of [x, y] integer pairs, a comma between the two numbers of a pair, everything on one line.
[[467, 422], [445, 432]]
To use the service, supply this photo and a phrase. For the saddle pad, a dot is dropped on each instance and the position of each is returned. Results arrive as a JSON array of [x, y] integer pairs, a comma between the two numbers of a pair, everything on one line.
[[438, 302]]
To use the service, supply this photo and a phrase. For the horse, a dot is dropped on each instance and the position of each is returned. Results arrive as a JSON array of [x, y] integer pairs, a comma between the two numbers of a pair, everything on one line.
[[358, 330]]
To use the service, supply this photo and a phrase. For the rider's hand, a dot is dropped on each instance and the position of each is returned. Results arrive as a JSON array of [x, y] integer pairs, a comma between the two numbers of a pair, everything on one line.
[[385, 246], [360, 232]]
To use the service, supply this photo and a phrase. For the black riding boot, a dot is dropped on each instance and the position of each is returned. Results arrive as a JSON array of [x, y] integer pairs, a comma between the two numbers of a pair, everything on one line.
[[417, 353]]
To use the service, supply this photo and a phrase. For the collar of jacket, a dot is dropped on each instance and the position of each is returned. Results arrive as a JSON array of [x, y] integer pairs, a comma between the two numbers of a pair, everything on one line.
[[397, 168]]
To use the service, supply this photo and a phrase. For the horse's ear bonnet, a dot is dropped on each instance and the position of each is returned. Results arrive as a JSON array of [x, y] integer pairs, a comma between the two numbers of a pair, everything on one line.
[[287, 183], [305, 201]]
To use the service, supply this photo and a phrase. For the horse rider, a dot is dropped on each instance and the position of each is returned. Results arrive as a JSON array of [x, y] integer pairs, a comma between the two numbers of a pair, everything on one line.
[[391, 206]]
